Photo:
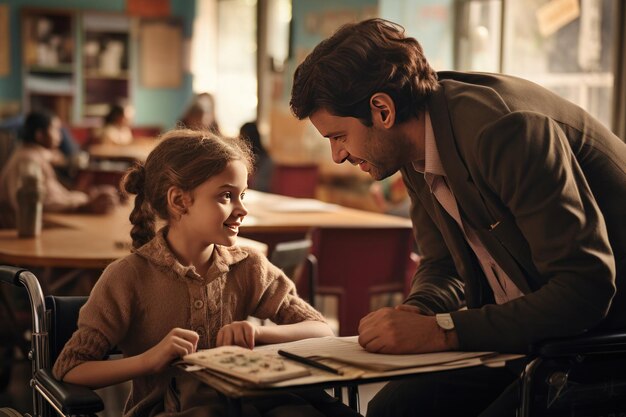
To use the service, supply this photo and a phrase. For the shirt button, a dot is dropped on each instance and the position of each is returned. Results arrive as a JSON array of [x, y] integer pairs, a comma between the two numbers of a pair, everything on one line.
[[200, 331], [198, 304]]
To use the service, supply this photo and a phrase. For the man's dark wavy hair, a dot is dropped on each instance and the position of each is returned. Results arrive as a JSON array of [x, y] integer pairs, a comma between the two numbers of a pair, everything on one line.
[[360, 59]]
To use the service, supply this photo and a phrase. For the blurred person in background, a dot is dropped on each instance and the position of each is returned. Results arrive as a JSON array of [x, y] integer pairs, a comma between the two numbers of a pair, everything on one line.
[[263, 165], [200, 115], [116, 129], [41, 136]]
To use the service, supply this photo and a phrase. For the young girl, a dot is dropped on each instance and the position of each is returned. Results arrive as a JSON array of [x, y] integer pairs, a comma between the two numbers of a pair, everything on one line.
[[186, 287]]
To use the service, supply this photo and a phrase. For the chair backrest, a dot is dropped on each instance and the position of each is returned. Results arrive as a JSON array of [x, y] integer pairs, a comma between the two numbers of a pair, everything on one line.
[[297, 262], [356, 264], [62, 321], [295, 180]]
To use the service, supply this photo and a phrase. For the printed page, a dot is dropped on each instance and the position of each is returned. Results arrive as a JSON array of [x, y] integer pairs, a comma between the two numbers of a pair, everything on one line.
[[347, 350], [256, 367]]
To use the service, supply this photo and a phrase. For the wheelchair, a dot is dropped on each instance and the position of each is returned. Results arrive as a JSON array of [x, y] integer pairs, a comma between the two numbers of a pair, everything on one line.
[[53, 322]]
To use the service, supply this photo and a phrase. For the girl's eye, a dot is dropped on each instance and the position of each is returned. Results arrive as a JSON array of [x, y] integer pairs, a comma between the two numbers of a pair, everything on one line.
[[227, 195], [242, 195]]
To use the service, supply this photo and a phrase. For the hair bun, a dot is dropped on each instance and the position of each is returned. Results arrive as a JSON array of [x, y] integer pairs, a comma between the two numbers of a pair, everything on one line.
[[135, 178]]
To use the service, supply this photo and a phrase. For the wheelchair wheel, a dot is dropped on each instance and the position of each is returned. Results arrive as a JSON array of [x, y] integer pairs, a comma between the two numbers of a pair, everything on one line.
[[9, 412]]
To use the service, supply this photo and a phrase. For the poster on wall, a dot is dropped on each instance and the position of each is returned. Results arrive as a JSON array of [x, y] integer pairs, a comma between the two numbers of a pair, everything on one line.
[[161, 54], [5, 53]]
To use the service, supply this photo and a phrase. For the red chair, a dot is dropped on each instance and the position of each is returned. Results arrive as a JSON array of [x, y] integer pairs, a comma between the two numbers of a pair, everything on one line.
[[146, 131], [358, 264], [295, 180], [83, 135]]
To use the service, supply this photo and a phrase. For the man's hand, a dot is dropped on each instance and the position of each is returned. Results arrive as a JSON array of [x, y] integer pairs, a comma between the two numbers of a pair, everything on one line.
[[403, 330], [178, 343], [240, 333]]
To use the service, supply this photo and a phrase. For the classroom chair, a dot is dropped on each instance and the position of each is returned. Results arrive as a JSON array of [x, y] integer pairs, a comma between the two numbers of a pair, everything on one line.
[[299, 264], [295, 180], [358, 265]]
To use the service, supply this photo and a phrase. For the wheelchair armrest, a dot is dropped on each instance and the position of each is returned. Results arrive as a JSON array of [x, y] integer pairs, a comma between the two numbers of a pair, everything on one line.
[[585, 344], [71, 399]]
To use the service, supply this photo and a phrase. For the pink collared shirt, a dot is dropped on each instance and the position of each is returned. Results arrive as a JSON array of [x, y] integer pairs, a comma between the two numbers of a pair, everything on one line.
[[503, 288]]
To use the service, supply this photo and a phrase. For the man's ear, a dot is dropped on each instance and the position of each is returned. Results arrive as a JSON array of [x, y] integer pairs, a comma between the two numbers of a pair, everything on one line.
[[178, 201], [383, 110]]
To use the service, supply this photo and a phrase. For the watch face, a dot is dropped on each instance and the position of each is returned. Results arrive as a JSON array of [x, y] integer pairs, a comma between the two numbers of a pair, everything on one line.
[[445, 321]]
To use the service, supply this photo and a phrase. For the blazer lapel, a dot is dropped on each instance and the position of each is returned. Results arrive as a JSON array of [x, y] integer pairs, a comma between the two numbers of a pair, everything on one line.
[[472, 207]]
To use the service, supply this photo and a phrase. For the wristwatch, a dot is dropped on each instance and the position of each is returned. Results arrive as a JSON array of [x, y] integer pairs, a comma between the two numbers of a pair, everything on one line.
[[445, 321]]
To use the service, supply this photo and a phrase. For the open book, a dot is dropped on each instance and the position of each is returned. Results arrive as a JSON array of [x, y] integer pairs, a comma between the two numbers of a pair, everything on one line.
[[256, 368]]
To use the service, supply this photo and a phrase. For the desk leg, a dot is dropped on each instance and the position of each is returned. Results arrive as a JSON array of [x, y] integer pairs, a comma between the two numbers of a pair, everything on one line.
[[338, 393], [353, 397]]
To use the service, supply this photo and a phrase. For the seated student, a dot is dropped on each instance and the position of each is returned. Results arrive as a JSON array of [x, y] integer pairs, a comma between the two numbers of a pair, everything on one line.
[[188, 286], [263, 165], [41, 135], [116, 129], [200, 115]]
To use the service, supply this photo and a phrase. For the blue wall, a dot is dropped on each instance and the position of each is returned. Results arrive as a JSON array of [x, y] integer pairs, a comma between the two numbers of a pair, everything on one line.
[[152, 106]]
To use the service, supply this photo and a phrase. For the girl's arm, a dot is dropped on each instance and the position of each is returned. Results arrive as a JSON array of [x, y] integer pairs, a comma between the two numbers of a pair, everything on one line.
[[246, 334], [97, 374], [291, 332]]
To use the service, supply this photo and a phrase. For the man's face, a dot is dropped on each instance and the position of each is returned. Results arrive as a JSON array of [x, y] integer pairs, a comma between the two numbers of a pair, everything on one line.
[[377, 151]]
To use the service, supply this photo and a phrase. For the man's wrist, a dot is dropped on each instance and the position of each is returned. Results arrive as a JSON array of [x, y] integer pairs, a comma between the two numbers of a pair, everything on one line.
[[448, 331]]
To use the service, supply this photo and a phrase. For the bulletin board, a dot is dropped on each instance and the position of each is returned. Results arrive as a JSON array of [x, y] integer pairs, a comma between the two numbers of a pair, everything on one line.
[[5, 41], [161, 54]]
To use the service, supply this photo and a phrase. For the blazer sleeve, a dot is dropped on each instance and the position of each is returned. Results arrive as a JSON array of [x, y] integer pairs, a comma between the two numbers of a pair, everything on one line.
[[525, 159], [436, 285]]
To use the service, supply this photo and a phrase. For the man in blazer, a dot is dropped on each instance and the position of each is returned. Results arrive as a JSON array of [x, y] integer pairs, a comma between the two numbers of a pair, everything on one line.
[[517, 206]]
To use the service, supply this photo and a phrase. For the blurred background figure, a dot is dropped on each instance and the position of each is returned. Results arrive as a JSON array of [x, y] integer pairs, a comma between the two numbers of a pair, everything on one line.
[[263, 165], [41, 137], [391, 196], [116, 129], [200, 114]]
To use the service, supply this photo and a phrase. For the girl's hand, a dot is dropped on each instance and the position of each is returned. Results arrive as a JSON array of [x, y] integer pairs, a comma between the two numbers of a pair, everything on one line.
[[240, 333], [178, 343]]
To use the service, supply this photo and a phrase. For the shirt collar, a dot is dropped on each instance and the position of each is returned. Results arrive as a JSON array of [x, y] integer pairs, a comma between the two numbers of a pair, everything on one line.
[[432, 162], [159, 253]]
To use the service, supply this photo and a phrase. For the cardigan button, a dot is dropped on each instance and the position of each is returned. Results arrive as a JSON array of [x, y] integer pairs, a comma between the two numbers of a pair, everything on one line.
[[198, 304], [200, 331]]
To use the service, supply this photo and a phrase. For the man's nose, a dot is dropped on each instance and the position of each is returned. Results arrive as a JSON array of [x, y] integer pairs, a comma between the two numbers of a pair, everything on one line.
[[338, 152]]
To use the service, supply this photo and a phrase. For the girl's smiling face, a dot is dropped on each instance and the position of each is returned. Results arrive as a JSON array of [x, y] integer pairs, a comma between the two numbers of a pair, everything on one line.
[[215, 208]]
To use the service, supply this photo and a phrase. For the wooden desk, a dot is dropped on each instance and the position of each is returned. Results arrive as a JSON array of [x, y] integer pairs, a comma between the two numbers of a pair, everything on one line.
[[85, 241], [271, 213], [138, 150]]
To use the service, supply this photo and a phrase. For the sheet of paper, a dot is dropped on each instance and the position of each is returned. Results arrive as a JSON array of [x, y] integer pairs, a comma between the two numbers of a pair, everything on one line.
[[347, 350]]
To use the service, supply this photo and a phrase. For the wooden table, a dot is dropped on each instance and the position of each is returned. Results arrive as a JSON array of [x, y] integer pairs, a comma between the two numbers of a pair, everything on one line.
[[138, 150], [77, 241], [271, 213]]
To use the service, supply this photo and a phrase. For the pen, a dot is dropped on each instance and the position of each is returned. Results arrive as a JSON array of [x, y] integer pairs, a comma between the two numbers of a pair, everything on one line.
[[309, 362]]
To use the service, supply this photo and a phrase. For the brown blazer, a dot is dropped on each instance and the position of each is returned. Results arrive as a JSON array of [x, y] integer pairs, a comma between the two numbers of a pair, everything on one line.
[[544, 186]]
